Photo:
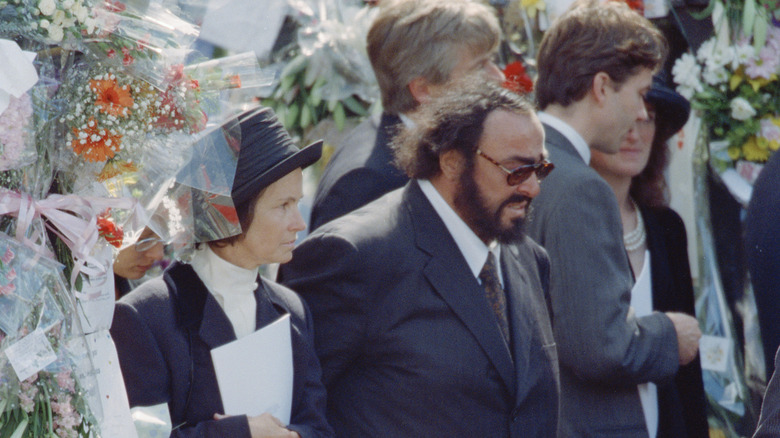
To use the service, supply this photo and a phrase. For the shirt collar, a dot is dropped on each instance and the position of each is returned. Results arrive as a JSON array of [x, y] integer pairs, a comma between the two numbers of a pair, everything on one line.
[[472, 247], [569, 132]]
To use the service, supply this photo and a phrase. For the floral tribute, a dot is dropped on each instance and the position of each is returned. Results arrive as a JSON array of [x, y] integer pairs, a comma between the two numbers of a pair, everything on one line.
[[49, 21], [733, 81], [111, 113], [44, 386]]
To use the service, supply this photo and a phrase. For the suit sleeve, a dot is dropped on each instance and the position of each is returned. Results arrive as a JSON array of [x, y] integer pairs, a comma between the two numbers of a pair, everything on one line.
[[308, 416], [591, 293], [769, 421], [147, 377], [350, 192], [324, 271]]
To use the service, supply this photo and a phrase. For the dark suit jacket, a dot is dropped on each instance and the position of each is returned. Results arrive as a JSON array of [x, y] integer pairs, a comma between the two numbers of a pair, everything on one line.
[[164, 332], [408, 344], [769, 422], [360, 171], [682, 404], [762, 247], [603, 353]]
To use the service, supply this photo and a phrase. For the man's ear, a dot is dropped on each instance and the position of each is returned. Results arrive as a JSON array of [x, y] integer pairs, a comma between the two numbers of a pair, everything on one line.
[[601, 85], [451, 164], [420, 89]]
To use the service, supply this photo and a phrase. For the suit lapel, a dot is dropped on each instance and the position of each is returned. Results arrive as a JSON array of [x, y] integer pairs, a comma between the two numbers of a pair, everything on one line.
[[517, 287], [215, 329], [451, 278]]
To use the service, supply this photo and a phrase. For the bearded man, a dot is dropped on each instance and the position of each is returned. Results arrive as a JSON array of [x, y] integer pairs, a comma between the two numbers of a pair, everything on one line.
[[430, 304]]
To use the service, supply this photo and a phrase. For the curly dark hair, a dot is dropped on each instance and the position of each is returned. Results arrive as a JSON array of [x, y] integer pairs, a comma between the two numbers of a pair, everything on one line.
[[453, 121], [649, 188]]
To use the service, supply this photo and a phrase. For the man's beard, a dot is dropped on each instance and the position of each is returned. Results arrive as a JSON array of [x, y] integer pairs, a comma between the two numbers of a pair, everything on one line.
[[486, 224]]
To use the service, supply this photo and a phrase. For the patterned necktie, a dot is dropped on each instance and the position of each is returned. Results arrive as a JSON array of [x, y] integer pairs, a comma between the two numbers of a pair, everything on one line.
[[495, 294]]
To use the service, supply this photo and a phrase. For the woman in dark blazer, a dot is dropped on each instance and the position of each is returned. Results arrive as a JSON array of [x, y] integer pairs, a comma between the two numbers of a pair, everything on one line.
[[165, 330], [656, 245]]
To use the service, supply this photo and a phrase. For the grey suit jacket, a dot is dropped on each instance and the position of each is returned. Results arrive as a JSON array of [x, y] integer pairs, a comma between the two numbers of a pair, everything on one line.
[[408, 344], [164, 333], [604, 353]]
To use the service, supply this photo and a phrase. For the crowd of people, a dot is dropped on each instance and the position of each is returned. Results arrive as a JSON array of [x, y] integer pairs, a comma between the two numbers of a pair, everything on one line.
[[480, 265]]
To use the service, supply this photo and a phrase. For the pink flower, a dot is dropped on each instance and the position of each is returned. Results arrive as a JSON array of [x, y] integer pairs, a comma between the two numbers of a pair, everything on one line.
[[8, 256], [26, 402], [769, 130], [13, 132], [11, 275], [7, 289], [65, 381]]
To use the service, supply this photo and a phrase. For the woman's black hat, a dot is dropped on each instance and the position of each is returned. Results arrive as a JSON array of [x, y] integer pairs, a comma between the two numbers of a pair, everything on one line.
[[671, 108], [267, 154]]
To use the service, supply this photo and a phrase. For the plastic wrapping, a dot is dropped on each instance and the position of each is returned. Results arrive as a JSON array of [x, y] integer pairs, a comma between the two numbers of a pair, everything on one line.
[[46, 379], [49, 21]]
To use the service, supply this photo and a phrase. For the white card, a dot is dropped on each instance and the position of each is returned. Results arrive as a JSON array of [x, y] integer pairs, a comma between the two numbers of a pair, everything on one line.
[[714, 352], [30, 354], [255, 373]]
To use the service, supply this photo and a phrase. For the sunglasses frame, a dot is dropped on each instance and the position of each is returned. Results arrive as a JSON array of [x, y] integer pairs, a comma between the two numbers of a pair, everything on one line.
[[540, 169]]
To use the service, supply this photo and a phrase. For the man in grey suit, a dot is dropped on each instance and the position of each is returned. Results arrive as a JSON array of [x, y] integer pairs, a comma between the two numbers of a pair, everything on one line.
[[595, 64], [430, 304], [417, 48]]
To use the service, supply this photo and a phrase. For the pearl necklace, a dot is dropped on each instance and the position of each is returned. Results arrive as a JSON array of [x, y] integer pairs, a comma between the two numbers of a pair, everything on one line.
[[635, 239]]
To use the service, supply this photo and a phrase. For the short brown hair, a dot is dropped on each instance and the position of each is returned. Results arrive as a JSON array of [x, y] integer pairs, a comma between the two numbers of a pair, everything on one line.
[[590, 38], [454, 121], [423, 38]]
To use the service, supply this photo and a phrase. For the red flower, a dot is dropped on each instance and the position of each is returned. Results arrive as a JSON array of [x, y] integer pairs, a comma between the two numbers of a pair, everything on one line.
[[108, 230], [517, 79]]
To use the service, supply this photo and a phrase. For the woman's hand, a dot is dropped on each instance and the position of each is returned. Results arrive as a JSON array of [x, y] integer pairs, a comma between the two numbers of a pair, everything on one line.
[[265, 426]]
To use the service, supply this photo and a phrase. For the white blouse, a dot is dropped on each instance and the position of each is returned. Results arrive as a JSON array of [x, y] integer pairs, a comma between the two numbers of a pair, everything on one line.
[[642, 303], [232, 286]]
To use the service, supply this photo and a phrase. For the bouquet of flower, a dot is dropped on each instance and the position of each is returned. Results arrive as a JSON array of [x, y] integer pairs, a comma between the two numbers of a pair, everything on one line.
[[733, 82], [48, 21], [45, 377]]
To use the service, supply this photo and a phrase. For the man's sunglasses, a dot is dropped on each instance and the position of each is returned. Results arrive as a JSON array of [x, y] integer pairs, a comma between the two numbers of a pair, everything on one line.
[[519, 174]]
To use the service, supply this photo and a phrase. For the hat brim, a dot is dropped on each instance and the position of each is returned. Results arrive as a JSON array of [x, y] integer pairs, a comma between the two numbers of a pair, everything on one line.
[[301, 159], [671, 108]]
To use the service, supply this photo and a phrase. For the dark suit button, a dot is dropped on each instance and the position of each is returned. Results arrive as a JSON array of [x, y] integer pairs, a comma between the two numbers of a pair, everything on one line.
[[515, 414]]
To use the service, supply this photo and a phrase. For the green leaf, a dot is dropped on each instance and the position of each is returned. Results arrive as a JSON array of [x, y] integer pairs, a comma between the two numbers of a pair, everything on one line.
[[760, 29], [292, 116], [339, 117], [305, 115], [748, 16], [294, 67], [21, 428], [356, 107]]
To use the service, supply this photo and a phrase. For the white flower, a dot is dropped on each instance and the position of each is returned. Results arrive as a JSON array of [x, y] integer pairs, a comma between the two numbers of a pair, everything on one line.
[[44, 24], [686, 74], [715, 75], [741, 109], [47, 7], [743, 53]]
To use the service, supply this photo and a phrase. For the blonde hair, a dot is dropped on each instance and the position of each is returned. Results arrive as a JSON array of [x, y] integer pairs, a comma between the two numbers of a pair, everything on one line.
[[424, 38]]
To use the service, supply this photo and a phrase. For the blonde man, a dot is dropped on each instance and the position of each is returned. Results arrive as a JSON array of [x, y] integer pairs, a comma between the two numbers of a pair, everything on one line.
[[417, 48]]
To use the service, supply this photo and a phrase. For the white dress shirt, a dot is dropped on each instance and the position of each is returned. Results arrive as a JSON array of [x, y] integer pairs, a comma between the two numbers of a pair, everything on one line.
[[472, 247], [569, 132], [232, 286]]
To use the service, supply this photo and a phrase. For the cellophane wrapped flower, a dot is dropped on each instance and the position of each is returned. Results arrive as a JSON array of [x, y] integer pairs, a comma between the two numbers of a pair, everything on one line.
[[48, 21], [45, 380], [734, 84], [15, 146], [112, 114]]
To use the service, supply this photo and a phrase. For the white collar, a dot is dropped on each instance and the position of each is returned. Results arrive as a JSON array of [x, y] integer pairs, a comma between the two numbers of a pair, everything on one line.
[[472, 247], [219, 275], [569, 132]]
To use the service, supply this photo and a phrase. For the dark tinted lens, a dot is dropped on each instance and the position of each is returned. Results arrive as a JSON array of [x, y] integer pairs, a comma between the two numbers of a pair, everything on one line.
[[523, 172], [520, 174], [544, 169]]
